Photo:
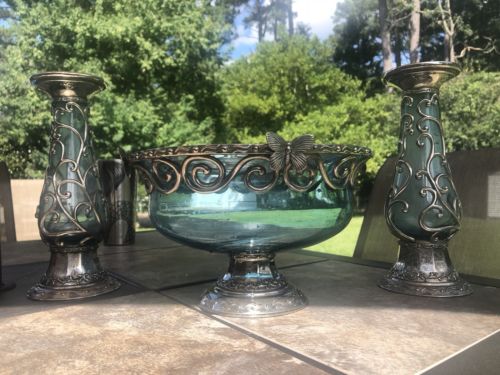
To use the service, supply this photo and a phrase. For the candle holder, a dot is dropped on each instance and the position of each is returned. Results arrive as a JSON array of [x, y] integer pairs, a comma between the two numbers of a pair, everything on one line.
[[422, 208], [71, 214]]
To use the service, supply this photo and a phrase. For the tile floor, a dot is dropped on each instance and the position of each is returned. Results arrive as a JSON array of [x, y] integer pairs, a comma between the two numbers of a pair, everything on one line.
[[152, 324]]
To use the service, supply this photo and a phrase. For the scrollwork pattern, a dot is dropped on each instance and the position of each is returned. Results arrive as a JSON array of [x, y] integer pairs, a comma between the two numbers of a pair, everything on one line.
[[422, 165], [203, 169], [67, 197]]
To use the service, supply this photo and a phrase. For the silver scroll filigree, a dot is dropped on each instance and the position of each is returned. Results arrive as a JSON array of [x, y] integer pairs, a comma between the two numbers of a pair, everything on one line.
[[297, 163], [67, 196], [437, 198]]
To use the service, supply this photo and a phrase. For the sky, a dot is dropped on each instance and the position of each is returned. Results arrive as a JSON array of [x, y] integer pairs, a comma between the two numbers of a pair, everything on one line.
[[315, 13]]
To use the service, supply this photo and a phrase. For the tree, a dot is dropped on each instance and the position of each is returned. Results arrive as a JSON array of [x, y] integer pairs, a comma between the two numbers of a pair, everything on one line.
[[385, 35], [470, 107], [258, 15], [356, 41], [276, 16], [477, 34], [280, 81], [371, 122], [158, 58], [448, 24], [415, 32]]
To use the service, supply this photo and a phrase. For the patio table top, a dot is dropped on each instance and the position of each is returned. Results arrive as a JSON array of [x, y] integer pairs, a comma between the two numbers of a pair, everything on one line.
[[152, 323]]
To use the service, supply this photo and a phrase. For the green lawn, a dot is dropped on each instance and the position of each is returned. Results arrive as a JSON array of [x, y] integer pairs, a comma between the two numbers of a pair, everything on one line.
[[341, 244], [301, 219], [344, 242]]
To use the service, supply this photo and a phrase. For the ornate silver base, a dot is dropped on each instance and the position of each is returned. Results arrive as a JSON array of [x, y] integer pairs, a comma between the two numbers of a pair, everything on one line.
[[252, 288], [73, 273], [425, 269]]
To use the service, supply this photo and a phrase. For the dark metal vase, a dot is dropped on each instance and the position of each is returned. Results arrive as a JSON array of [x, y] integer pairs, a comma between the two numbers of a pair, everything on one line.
[[423, 209], [71, 214]]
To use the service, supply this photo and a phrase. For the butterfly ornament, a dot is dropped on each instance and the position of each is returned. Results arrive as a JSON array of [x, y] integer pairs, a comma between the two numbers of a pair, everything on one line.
[[286, 153]]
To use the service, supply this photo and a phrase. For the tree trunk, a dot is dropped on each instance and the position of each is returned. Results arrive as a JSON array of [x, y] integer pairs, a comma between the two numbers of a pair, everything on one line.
[[449, 29], [415, 32], [398, 47], [446, 47], [385, 35], [261, 20], [290, 17]]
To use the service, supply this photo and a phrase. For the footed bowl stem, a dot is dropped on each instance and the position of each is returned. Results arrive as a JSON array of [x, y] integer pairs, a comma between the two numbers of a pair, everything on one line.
[[252, 287]]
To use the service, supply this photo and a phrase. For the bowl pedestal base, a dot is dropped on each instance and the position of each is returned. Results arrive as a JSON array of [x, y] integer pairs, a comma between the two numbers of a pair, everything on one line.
[[252, 287]]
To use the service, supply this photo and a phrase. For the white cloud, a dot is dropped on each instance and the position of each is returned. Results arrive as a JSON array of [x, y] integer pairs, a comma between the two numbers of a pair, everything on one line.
[[317, 14]]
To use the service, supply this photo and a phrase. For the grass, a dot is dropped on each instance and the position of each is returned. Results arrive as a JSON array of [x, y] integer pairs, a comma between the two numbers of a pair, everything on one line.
[[344, 242], [341, 244], [301, 219]]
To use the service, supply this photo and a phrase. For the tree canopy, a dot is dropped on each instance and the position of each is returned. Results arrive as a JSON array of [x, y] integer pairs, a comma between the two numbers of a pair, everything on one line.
[[158, 58], [279, 82], [170, 80]]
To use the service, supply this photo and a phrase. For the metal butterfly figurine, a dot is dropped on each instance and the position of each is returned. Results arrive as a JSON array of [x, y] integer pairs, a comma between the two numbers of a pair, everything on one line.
[[286, 153]]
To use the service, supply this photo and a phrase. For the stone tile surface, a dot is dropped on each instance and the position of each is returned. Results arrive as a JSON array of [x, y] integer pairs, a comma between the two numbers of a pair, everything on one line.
[[14, 302], [353, 325], [166, 268], [36, 251], [140, 334]]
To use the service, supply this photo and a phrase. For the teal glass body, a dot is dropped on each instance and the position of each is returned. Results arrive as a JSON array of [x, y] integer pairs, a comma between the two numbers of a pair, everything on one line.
[[238, 219], [423, 204], [72, 209]]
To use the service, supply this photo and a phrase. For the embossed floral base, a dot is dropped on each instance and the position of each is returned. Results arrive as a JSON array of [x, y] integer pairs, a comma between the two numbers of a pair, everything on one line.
[[252, 287], [456, 289], [425, 269], [217, 301], [41, 292], [73, 273]]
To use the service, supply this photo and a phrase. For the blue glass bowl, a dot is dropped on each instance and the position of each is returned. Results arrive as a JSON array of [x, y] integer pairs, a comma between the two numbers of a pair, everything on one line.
[[250, 201]]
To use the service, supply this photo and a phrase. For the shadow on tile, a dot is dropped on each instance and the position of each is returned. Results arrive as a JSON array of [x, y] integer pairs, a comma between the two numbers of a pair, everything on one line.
[[354, 325], [340, 284], [174, 267], [14, 302], [24, 252]]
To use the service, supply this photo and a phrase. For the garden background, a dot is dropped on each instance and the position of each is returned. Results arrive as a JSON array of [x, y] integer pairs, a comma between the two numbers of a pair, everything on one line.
[[172, 77]]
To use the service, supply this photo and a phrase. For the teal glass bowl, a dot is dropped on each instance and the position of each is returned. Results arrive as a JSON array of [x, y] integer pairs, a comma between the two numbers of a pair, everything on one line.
[[250, 201]]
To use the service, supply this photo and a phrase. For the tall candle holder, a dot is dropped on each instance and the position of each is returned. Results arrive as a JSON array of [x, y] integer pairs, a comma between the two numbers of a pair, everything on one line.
[[422, 208], [71, 214]]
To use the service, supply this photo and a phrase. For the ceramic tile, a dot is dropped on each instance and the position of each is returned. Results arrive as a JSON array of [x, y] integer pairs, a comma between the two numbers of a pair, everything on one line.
[[24, 252], [166, 268], [14, 302], [140, 334], [353, 325], [481, 358]]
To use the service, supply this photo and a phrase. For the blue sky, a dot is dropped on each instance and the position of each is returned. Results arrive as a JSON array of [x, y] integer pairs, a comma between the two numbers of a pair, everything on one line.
[[315, 13]]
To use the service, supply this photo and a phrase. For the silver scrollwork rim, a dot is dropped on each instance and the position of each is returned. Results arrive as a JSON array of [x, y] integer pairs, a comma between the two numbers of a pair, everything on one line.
[[180, 172]]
